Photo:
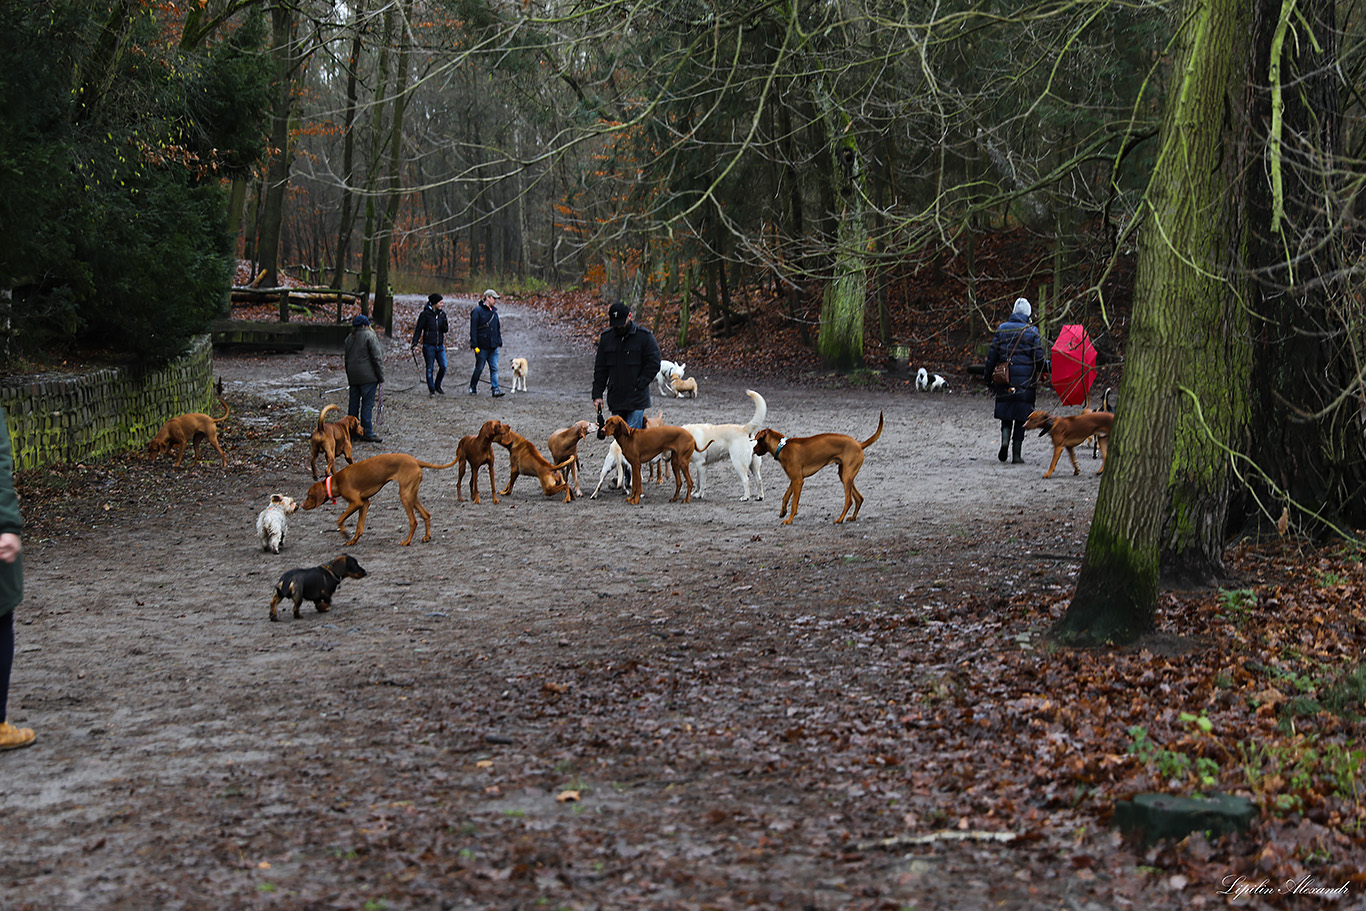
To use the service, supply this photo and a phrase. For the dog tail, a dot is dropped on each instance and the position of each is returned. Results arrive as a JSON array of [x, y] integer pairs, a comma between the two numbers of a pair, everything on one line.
[[760, 413], [876, 433], [450, 464], [322, 415], [226, 411]]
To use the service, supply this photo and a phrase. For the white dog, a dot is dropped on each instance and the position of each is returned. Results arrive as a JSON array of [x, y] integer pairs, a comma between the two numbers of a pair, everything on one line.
[[733, 440], [519, 372], [922, 380], [271, 523], [939, 384], [667, 371]]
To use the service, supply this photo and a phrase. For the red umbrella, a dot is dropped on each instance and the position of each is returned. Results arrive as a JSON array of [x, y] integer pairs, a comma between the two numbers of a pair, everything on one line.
[[1073, 365]]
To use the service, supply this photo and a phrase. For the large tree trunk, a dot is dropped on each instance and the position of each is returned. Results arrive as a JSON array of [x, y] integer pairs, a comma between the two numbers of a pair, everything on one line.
[[347, 223], [277, 171], [840, 343], [1180, 297], [1309, 346], [400, 91]]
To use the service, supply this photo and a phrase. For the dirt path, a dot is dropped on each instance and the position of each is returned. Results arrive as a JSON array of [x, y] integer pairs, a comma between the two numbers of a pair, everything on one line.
[[711, 682]]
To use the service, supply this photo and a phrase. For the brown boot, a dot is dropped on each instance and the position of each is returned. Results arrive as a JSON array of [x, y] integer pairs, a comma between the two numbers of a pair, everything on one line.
[[11, 738]]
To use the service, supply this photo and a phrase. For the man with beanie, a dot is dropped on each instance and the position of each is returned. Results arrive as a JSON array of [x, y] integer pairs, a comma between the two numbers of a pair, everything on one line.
[[430, 333], [626, 363], [364, 373], [1016, 344], [486, 337]]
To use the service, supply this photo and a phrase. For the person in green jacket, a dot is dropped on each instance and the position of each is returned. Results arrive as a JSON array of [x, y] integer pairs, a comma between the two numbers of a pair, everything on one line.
[[11, 584]]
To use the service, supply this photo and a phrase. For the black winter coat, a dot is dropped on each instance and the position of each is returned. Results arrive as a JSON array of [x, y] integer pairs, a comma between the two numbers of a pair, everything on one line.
[[625, 367], [431, 327]]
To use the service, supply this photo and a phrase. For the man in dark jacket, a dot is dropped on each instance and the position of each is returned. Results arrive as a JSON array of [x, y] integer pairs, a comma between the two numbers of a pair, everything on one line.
[[1017, 344], [364, 373], [626, 363], [430, 333], [486, 337]]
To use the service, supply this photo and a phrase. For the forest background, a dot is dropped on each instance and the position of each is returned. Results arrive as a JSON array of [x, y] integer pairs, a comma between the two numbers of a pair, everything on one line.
[[1180, 176]]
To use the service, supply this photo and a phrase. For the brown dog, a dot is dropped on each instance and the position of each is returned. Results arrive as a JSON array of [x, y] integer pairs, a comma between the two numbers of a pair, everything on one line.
[[189, 428], [359, 482], [639, 446], [802, 457], [1070, 432], [526, 459], [476, 450], [331, 439], [564, 444]]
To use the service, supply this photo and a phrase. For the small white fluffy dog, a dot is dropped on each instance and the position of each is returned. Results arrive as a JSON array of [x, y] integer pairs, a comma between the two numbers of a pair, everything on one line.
[[922, 380], [519, 372], [735, 441], [271, 523], [684, 388], [668, 370]]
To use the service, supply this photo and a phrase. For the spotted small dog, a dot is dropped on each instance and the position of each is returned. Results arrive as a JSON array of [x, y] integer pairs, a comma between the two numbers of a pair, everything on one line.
[[316, 584], [271, 524]]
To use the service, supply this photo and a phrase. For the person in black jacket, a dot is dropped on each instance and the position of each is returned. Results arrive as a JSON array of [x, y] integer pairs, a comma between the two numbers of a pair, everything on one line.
[[627, 360], [486, 337], [1016, 343], [430, 333]]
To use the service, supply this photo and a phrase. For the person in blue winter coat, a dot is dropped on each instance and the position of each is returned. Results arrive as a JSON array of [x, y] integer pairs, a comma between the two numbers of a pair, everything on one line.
[[1017, 343], [485, 339]]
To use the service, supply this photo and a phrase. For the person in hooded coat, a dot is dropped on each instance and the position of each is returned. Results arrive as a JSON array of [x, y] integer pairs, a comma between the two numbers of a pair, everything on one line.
[[1016, 343]]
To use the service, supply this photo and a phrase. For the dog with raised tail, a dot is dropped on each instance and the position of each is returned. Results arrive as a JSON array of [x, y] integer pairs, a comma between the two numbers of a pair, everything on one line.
[[802, 457], [733, 441], [271, 523]]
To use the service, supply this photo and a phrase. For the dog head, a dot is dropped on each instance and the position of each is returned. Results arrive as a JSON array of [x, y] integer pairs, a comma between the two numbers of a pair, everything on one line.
[[317, 494], [766, 442], [1036, 420], [351, 423], [580, 429], [492, 430], [612, 426], [283, 503], [346, 567]]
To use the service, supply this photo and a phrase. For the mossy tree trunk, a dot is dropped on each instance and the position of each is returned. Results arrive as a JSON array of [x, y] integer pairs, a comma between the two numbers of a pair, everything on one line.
[[1184, 347], [840, 343]]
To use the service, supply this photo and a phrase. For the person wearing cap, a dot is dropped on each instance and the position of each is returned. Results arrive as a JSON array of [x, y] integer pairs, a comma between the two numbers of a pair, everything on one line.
[[625, 366], [1017, 344], [364, 372], [430, 333], [485, 338]]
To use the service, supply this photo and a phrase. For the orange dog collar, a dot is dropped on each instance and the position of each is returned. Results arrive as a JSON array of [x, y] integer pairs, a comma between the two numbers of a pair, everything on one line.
[[328, 487]]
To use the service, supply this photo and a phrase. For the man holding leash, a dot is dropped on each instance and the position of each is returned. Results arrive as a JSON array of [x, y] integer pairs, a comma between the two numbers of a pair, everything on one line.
[[430, 332], [485, 338], [627, 360]]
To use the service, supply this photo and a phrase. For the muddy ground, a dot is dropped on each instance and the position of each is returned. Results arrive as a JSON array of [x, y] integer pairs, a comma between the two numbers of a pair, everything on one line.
[[739, 707]]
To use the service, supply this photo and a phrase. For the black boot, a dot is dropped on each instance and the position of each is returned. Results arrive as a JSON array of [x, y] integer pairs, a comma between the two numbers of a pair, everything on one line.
[[1005, 444], [1015, 452]]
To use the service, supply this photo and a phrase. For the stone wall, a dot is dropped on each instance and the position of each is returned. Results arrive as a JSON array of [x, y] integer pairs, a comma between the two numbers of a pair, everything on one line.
[[76, 417]]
